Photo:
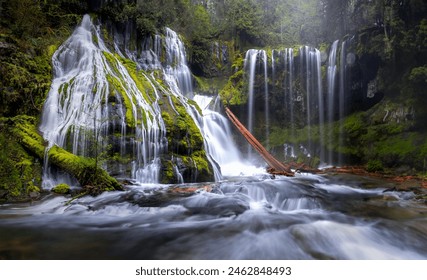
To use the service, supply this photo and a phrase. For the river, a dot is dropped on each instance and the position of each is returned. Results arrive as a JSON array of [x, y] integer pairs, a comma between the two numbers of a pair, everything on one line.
[[258, 217]]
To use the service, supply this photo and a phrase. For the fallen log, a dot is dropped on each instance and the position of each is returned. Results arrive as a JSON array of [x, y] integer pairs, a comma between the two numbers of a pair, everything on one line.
[[276, 167]]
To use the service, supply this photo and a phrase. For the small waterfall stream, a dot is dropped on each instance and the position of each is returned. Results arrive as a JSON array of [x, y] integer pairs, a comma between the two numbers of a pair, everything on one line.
[[331, 84]]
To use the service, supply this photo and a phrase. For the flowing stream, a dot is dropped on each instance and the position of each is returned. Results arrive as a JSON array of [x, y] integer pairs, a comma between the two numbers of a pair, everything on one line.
[[305, 217]]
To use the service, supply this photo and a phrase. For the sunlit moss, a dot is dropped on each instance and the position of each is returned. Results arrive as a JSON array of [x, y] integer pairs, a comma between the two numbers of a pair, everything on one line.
[[83, 169], [116, 86], [61, 189]]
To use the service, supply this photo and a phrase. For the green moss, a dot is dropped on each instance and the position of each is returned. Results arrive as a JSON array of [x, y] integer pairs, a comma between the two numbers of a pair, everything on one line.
[[233, 91], [168, 173], [32, 188], [24, 128], [195, 105], [83, 169], [142, 82], [61, 189], [20, 171], [117, 86], [201, 161], [186, 142], [201, 84]]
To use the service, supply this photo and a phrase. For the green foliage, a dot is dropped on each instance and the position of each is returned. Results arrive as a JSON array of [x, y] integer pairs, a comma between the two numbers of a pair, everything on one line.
[[234, 92], [419, 75], [374, 165], [244, 19], [354, 125], [30, 31]]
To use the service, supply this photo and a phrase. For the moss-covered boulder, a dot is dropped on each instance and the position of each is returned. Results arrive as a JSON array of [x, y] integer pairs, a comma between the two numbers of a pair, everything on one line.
[[20, 171], [61, 189], [83, 169]]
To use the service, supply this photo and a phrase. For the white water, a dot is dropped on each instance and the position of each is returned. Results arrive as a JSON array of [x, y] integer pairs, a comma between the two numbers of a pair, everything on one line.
[[305, 217], [77, 112], [331, 84], [251, 59], [266, 99], [222, 148], [342, 97]]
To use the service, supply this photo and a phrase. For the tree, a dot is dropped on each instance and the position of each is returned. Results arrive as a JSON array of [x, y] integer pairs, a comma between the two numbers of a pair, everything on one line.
[[243, 20]]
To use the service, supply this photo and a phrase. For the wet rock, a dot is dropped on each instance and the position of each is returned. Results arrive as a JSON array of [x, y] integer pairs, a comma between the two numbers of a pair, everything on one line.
[[223, 207], [34, 195]]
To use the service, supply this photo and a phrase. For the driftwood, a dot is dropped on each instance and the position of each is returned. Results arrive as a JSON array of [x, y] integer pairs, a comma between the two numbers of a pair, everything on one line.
[[276, 167]]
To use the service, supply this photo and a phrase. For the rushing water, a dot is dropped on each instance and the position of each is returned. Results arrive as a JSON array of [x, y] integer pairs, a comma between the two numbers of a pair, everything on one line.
[[305, 217]]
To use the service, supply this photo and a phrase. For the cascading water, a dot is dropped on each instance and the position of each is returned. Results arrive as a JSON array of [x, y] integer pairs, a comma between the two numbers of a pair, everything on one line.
[[95, 93], [79, 116], [266, 99], [342, 96], [176, 63], [306, 104], [178, 77], [331, 84], [221, 147], [251, 59], [321, 108], [288, 57]]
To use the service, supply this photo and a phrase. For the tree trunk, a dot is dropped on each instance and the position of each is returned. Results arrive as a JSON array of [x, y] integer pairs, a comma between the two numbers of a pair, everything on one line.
[[276, 166]]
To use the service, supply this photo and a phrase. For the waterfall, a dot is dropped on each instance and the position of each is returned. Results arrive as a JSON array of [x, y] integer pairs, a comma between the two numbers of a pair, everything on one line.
[[308, 107], [218, 133], [342, 92], [79, 113], [250, 59], [289, 71], [266, 98], [321, 108], [176, 62], [100, 101], [331, 77]]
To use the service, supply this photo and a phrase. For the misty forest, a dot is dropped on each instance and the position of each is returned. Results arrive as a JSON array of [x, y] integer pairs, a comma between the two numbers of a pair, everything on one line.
[[213, 129]]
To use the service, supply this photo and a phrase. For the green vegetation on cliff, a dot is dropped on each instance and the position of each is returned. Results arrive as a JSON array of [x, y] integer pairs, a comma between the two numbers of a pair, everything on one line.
[[20, 171], [30, 32], [185, 141], [85, 170]]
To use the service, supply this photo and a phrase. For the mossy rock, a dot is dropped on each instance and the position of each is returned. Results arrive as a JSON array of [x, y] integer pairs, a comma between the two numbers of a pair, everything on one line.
[[83, 169], [20, 171], [61, 189]]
